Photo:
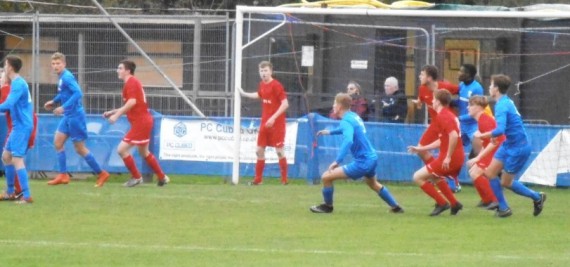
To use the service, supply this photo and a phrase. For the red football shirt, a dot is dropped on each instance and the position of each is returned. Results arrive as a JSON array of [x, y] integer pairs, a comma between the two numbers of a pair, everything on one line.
[[425, 95], [486, 124], [3, 95], [271, 95], [446, 122], [133, 90]]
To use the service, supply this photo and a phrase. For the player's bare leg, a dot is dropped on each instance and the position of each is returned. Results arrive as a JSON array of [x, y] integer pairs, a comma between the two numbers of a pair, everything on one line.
[[426, 181], [282, 164]]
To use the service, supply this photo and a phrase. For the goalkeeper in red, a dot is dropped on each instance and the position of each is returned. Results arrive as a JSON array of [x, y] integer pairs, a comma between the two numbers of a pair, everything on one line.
[[449, 160], [141, 126], [272, 129], [354, 139]]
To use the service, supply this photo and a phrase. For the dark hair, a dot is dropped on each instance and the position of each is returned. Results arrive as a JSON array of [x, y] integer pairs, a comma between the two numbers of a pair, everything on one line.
[[470, 69], [502, 82], [129, 65], [430, 71], [15, 62], [443, 96]]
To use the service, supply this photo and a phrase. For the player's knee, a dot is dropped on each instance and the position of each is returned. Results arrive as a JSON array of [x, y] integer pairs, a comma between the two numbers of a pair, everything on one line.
[[6, 159]]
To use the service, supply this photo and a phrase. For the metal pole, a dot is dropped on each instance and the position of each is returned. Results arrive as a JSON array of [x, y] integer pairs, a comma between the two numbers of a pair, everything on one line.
[[143, 53], [81, 59], [196, 57], [237, 102]]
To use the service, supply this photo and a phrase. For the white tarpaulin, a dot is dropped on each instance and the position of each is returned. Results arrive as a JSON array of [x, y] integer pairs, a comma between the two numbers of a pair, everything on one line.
[[554, 159], [212, 141]]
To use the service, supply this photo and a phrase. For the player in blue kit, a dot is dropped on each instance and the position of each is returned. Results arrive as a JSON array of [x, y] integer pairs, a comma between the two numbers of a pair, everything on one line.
[[468, 87], [19, 104], [513, 153], [72, 125], [365, 159]]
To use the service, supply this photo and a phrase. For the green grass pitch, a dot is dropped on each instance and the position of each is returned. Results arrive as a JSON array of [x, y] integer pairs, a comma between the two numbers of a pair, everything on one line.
[[200, 221]]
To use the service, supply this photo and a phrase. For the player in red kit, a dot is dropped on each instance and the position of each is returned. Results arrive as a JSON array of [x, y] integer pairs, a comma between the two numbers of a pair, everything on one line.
[[272, 129], [429, 84], [141, 125], [450, 159], [478, 164], [5, 90]]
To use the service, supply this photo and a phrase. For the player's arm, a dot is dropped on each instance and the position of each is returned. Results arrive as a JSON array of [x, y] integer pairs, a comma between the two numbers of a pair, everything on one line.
[[248, 95], [49, 104], [486, 151], [417, 102], [453, 137], [122, 110], [284, 105], [347, 136], [12, 98], [501, 119], [76, 95], [420, 148]]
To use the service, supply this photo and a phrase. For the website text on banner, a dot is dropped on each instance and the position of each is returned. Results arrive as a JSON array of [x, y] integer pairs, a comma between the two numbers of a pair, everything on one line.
[[208, 140]]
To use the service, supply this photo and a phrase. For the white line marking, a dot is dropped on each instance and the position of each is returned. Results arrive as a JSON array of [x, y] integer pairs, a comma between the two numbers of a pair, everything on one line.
[[474, 255]]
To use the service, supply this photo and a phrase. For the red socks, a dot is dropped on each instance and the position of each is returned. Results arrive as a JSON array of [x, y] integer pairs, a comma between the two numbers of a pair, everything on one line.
[[153, 163], [429, 189], [259, 166], [130, 164], [446, 191], [484, 189]]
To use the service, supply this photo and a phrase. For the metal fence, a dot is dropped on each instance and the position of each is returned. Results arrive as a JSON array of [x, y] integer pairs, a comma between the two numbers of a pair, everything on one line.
[[193, 51]]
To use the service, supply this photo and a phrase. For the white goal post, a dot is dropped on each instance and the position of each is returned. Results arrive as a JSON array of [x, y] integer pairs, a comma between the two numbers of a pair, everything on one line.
[[241, 12]]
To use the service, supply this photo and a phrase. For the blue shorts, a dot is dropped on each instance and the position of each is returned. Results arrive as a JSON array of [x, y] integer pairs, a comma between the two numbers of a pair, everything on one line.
[[74, 127], [356, 169], [513, 158], [17, 142]]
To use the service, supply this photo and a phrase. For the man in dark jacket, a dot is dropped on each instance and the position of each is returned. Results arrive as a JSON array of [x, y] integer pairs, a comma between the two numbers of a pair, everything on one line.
[[394, 103]]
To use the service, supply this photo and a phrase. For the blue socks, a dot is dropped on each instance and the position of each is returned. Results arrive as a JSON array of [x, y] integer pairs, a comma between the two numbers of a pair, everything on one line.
[[387, 197], [522, 190], [23, 176], [92, 163], [498, 191], [10, 172], [61, 160], [328, 195]]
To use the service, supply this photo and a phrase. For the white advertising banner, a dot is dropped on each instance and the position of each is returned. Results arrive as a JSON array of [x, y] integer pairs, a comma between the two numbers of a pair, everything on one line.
[[212, 141]]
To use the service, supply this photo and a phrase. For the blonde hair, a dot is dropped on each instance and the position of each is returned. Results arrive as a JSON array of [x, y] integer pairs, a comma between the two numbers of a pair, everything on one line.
[[58, 56], [264, 64], [478, 100], [344, 100]]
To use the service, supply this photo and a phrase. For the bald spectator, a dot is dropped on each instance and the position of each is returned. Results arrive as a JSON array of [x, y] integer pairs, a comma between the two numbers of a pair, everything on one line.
[[394, 103]]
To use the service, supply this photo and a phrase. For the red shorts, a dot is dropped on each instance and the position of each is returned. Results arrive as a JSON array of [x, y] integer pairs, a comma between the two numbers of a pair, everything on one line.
[[486, 161], [429, 136], [140, 133], [435, 167], [274, 136]]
